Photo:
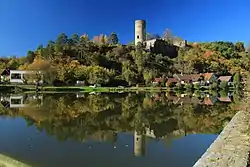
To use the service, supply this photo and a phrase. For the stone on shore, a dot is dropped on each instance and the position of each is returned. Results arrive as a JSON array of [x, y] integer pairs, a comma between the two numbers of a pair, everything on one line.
[[231, 148]]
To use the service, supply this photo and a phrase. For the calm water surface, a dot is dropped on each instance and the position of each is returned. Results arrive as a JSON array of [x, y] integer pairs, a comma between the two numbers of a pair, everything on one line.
[[114, 130]]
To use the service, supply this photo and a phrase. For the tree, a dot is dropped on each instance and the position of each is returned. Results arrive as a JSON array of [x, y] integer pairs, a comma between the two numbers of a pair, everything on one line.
[[12, 64], [49, 50], [129, 73], [113, 39], [75, 39], [30, 57], [104, 39], [78, 58], [84, 37], [248, 51], [81, 73], [40, 70], [168, 37], [61, 42], [99, 75], [236, 80], [239, 47]]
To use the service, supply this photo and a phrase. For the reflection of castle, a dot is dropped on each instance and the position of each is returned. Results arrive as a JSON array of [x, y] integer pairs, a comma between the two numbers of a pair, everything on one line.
[[139, 144], [140, 141], [19, 100]]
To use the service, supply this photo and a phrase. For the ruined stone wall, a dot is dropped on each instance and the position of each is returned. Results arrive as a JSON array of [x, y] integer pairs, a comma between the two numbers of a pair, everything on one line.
[[159, 46]]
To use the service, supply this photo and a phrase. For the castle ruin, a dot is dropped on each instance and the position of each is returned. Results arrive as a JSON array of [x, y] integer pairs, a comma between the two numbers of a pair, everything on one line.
[[157, 45]]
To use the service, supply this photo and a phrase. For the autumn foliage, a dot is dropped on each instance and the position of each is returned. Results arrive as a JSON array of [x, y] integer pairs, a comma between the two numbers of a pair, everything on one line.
[[104, 61]]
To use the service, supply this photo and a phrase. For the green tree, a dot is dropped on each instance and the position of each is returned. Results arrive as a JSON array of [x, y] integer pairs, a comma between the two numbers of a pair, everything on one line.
[[248, 51], [49, 50], [30, 56], [129, 73], [13, 64], [99, 75], [239, 47], [60, 44], [236, 80], [75, 39], [113, 39]]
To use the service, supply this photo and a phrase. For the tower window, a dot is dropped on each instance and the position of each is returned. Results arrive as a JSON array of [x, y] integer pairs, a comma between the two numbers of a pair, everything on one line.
[[138, 37]]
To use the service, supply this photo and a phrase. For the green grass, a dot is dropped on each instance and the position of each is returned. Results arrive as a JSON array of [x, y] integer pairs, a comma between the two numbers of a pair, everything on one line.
[[32, 88]]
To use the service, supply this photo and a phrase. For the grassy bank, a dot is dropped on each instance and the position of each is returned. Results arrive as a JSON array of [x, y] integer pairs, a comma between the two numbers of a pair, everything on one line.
[[52, 89], [32, 88]]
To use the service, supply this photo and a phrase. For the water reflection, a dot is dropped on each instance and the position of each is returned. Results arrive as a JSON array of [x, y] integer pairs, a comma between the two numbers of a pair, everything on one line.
[[148, 125], [139, 144]]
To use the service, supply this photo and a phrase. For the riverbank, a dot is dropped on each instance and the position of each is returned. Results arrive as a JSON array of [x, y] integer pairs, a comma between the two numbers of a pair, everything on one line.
[[32, 88], [45, 89], [231, 147], [6, 161]]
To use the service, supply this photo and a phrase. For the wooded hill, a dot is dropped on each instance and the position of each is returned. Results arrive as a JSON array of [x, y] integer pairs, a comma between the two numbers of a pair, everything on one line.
[[104, 61]]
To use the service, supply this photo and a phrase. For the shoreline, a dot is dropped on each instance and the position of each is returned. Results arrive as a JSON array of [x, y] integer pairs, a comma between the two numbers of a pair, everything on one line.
[[6, 161], [32, 88], [231, 147]]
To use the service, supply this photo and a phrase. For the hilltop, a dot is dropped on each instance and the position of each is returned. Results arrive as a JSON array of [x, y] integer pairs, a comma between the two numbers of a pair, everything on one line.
[[103, 60]]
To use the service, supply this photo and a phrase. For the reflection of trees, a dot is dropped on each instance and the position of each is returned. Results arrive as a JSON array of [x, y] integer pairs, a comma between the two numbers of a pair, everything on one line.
[[100, 117]]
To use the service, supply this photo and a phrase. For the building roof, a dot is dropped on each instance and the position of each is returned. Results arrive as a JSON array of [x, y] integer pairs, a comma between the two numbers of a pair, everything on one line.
[[225, 99], [172, 80], [225, 78], [208, 101], [158, 80], [5, 72], [172, 98], [191, 77], [207, 76], [157, 96]]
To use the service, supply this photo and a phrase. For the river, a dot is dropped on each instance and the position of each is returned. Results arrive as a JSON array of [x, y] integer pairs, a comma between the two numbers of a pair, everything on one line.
[[152, 129]]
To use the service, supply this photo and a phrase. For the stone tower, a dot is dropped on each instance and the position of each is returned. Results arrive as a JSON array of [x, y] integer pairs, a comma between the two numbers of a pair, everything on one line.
[[140, 31], [139, 144]]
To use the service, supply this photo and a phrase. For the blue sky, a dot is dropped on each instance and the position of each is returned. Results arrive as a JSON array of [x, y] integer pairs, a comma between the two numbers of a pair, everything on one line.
[[24, 24]]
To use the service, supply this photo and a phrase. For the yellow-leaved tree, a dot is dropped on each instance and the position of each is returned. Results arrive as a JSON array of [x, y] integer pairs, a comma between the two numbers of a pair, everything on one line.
[[41, 70]]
